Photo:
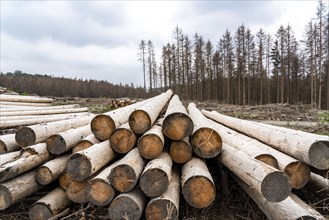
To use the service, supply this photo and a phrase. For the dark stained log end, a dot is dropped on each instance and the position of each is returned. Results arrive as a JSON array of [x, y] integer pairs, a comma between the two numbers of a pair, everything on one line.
[[276, 186], [100, 192], [122, 140], [199, 192], [319, 155], [177, 126], [206, 143], [124, 207], [154, 182], [299, 174], [123, 178], [25, 137], [82, 145], [268, 159], [43, 175], [180, 151], [306, 217], [102, 127], [56, 144], [150, 146], [79, 167], [6, 199], [161, 209], [40, 211], [139, 121]]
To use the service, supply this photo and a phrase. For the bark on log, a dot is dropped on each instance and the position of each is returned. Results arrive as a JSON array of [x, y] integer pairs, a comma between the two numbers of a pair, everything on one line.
[[12, 191], [198, 187], [155, 178], [165, 206], [177, 124], [8, 144], [51, 170], [273, 184], [19, 98], [310, 148], [205, 141], [64, 141], [30, 135], [45, 112], [144, 117], [29, 108], [49, 205], [85, 163], [123, 139], [290, 208], [28, 159], [125, 174], [181, 151], [128, 205], [99, 190], [298, 172], [23, 104], [151, 144], [319, 185], [4, 158], [85, 143]]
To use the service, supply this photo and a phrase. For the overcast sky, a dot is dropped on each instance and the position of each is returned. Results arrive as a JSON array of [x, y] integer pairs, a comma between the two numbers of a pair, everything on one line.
[[99, 39]]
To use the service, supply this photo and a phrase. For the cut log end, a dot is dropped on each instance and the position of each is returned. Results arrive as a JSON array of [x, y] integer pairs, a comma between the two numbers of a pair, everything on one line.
[[102, 127], [299, 174], [43, 175], [25, 137], [206, 143], [268, 159], [56, 144], [6, 199], [161, 209], [154, 182], [199, 192], [122, 140], [139, 121], [124, 207], [64, 180], [150, 146], [76, 191], [82, 145], [276, 187], [123, 178], [177, 126], [319, 155], [79, 167], [100, 192], [180, 151], [3, 147], [40, 211]]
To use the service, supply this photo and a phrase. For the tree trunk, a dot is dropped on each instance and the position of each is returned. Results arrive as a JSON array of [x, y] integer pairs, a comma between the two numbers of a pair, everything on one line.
[[37, 133], [4, 158], [128, 205], [142, 119], [123, 139], [28, 159], [45, 112], [32, 108], [64, 141], [49, 205], [85, 143], [51, 170], [181, 151], [166, 206], [17, 189], [29, 99], [319, 185], [198, 187], [23, 104], [312, 149], [205, 141], [124, 176], [155, 178], [177, 124], [83, 164], [8, 143], [273, 184], [99, 190]]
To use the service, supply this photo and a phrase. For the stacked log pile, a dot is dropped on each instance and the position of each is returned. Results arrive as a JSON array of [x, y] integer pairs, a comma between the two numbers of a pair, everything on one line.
[[144, 158]]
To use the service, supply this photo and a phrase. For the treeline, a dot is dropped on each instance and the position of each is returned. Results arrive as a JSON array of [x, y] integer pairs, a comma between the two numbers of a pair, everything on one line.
[[245, 68], [45, 85]]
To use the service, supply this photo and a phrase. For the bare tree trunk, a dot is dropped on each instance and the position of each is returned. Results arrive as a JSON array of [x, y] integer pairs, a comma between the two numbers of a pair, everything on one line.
[[29, 99], [8, 143], [12, 104], [4, 158], [181, 151], [85, 143], [33, 108], [44, 112], [123, 139]]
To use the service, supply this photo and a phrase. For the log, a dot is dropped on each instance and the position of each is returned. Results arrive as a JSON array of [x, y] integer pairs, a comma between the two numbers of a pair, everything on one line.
[[51, 170], [290, 208], [123, 139], [166, 206], [99, 190], [319, 185], [8, 143], [30, 135], [85, 143], [125, 174], [142, 119], [155, 179], [23, 104], [151, 144], [49, 205], [17, 189], [198, 187], [76, 191], [298, 172], [309, 148], [29, 108], [64, 180], [273, 184], [29, 99], [65, 141], [28, 159], [128, 205], [181, 151], [45, 112], [177, 124], [4, 158], [83, 164], [205, 141]]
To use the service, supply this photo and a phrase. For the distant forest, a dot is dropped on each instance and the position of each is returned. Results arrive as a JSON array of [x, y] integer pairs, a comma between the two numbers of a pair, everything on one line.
[[245, 68]]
